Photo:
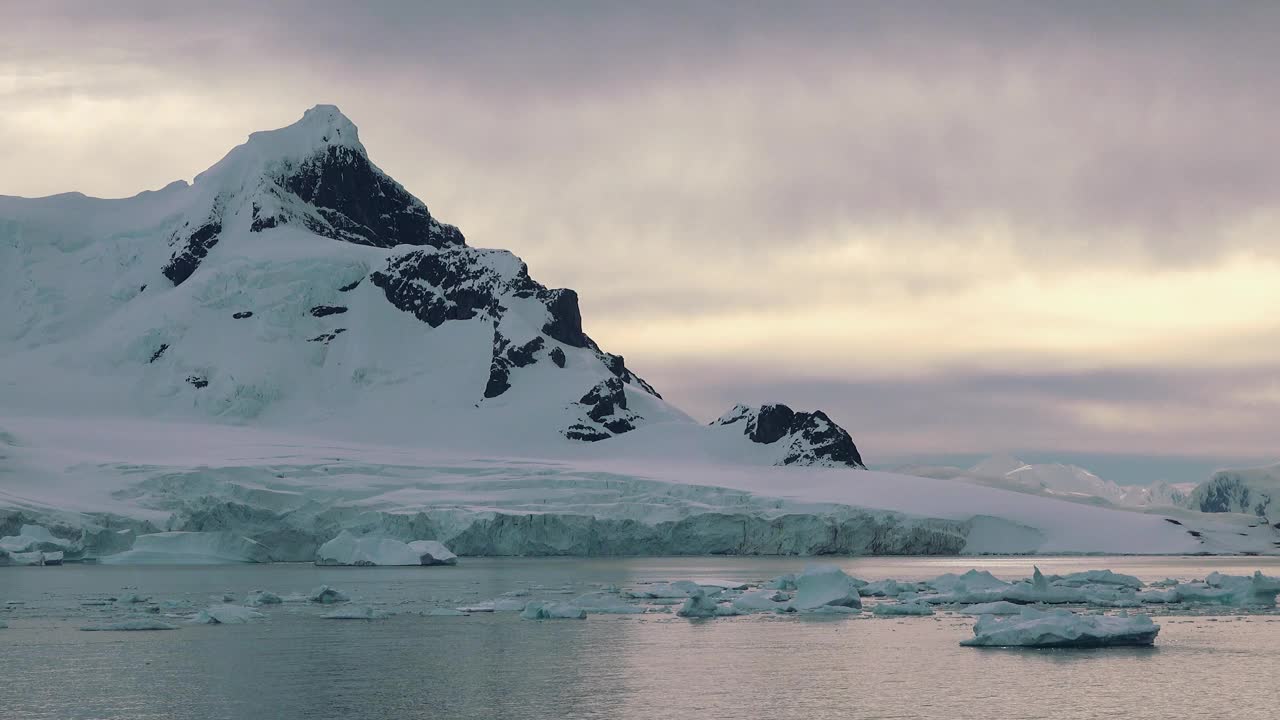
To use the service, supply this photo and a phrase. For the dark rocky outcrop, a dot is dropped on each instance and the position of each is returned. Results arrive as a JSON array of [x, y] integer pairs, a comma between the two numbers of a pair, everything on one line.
[[360, 204], [191, 247], [605, 407], [198, 381], [328, 337], [806, 438], [243, 315], [505, 357], [326, 310], [159, 351]]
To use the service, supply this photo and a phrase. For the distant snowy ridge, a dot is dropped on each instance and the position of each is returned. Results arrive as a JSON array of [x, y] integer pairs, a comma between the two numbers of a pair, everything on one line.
[[1252, 491], [1069, 482]]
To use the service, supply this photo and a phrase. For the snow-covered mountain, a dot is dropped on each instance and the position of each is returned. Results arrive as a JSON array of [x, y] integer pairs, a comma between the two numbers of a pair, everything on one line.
[[293, 345], [1252, 491]]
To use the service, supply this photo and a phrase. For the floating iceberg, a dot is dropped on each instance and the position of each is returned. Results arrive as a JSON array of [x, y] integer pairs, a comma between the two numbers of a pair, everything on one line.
[[35, 538], [970, 581], [782, 582], [432, 552], [698, 606], [552, 611], [1040, 591], [191, 548], [326, 595], [886, 588], [226, 615], [36, 557], [347, 549], [262, 597], [894, 609], [821, 585], [1062, 629], [355, 612], [130, 625]]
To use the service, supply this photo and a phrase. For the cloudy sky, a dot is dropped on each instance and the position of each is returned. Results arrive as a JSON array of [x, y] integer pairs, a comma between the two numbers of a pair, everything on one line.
[[957, 227]]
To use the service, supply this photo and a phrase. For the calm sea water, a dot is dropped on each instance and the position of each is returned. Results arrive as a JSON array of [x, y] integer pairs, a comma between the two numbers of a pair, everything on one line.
[[649, 667]]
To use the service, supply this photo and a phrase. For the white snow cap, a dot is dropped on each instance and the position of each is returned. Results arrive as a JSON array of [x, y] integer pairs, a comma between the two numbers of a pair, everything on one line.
[[320, 128]]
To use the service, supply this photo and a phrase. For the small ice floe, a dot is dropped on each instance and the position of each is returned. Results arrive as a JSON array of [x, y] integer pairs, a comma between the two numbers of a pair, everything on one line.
[[355, 612], [445, 612], [762, 601], [552, 611], [970, 581], [699, 605], [605, 603], [225, 615], [825, 585], [130, 625], [1062, 629], [679, 589], [3, 624], [498, 605], [133, 599], [1099, 577], [899, 609], [782, 582], [262, 597], [886, 588], [326, 595], [1040, 591], [1001, 607]]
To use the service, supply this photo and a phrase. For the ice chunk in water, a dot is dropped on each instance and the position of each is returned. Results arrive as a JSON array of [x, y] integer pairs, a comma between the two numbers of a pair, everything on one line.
[[552, 611], [698, 606], [326, 595], [821, 585], [1061, 628], [355, 612], [892, 609], [226, 615], [131, 625]]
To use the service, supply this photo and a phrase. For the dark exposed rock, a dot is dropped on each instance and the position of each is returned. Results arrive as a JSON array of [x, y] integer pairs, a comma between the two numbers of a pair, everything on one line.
[[191, 250], [565, 324], [557, 357], [360, 204], [324, 310], [585, 433], [605, 399], [809, 438], [606, 405], [505, 357], [350, 286], [326, 338], [243, 315], [447, 285], [198, 381], [159, 351]]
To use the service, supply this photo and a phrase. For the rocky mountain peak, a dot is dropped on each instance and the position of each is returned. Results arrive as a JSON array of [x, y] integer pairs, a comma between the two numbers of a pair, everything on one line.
[[802, 438]]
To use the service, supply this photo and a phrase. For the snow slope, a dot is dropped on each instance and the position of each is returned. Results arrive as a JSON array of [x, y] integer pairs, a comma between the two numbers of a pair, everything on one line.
[[1069, 482], [293, 345]]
